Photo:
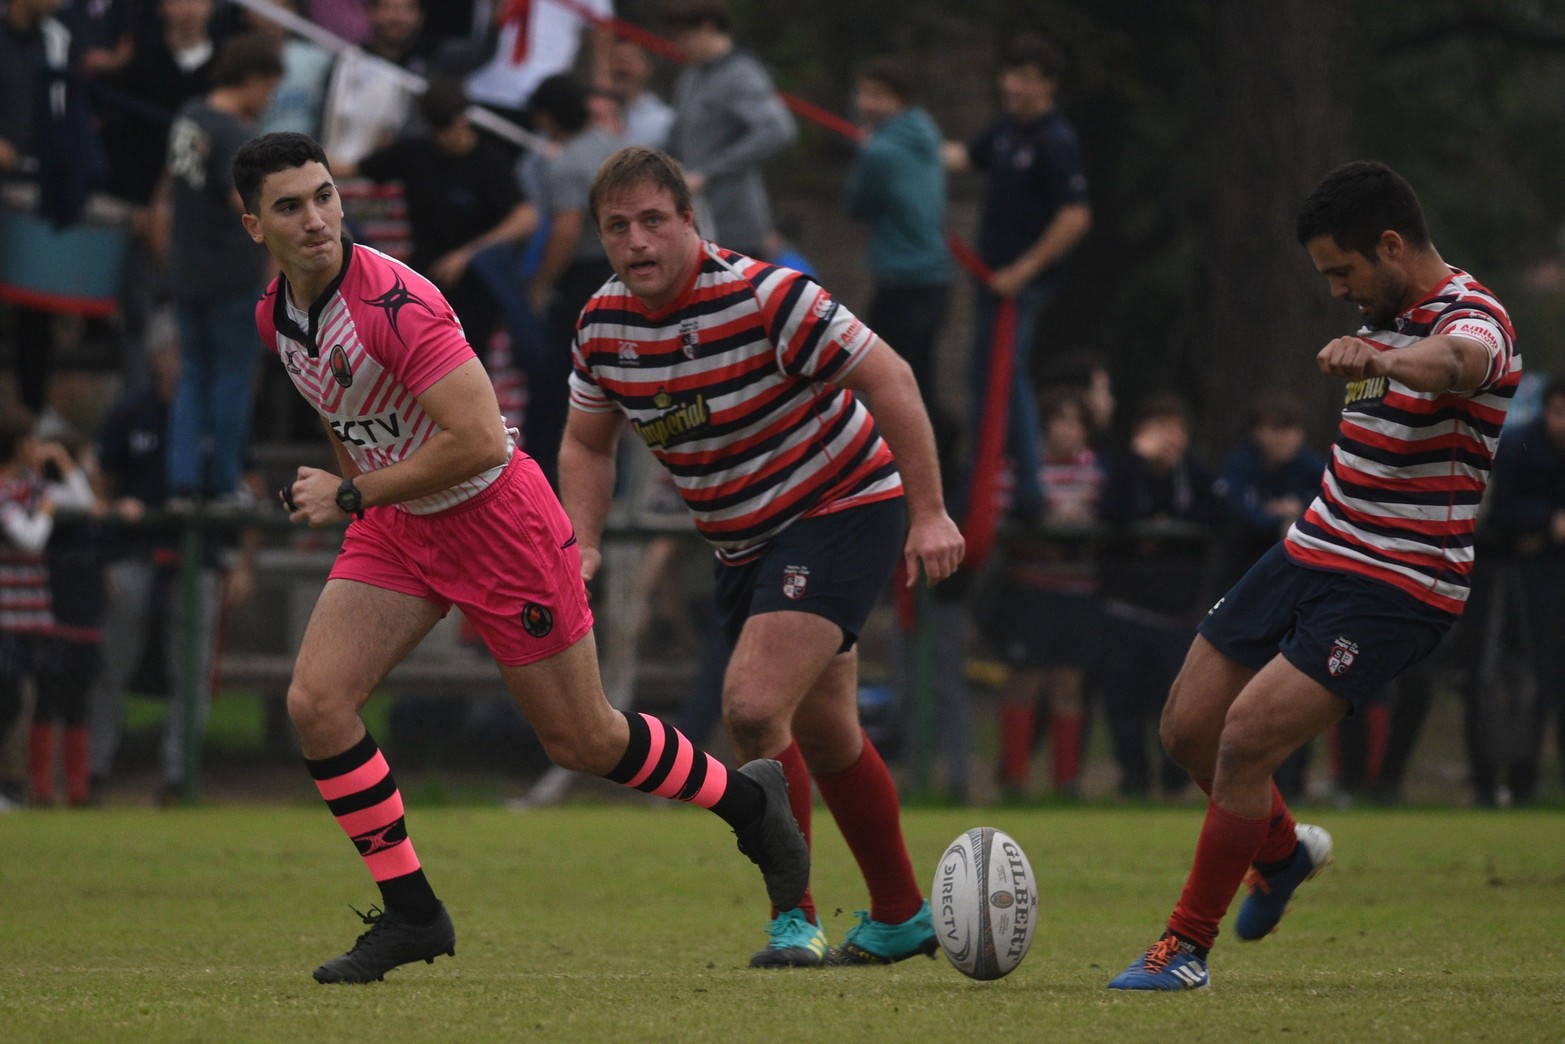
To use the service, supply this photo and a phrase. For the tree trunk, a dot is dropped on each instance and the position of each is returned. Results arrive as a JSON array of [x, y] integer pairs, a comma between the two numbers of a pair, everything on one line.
[[1278, 128]]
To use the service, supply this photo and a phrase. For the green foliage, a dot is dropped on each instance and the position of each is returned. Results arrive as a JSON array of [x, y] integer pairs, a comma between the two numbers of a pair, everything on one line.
[[634, 923]]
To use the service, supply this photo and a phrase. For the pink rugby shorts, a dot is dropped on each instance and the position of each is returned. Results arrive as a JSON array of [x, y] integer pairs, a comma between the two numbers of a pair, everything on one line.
[[507, 558]]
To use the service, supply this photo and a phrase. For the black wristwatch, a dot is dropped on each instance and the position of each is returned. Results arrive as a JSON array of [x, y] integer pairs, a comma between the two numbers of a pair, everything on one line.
[[349, 500]]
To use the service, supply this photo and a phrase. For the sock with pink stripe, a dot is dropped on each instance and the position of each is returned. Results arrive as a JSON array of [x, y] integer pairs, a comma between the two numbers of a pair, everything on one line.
[[661, 761], [358, 788]]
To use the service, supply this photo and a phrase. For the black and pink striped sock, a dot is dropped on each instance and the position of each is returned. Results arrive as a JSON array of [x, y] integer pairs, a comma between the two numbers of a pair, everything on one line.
[[661, 761], [358, 788]]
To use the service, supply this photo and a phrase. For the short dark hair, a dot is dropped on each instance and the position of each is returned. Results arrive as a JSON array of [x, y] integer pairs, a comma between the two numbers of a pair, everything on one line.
[[892, 74], [1055, 400], [1161, 405], [689, 14], [635, 165], [1076, 369], [1275, 408], [442, 102], [1359, 201], [258, 157], [564, 100], [246, 55], [1036, 51], [1555, 389]]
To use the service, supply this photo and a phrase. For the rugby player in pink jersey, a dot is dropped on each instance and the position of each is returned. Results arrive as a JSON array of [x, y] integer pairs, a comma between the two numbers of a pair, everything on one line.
[[1366, 583], [442, 510], [743, 378]]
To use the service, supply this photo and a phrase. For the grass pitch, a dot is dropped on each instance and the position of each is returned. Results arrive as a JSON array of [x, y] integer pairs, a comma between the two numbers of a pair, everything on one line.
[[634, 923]]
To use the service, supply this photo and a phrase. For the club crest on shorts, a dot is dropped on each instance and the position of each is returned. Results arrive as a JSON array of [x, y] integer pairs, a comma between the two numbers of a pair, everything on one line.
[[537, 620], [340, 368], [1343, 653], [794, 579]]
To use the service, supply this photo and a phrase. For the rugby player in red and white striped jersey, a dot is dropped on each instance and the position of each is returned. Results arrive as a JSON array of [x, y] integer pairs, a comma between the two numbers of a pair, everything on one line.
[[444, 511], [743, 378], [1366, 584]]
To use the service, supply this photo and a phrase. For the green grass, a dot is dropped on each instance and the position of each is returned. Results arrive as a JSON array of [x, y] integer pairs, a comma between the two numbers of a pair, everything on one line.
[[630, 923]]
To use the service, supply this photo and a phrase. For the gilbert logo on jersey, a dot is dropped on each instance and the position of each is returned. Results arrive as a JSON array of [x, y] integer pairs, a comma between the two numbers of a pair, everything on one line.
[[1370, 389], [675, 423]]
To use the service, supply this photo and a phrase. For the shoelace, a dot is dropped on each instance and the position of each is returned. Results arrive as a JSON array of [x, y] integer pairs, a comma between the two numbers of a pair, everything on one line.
[[1257, 882], [1161, 953], [372, 919]]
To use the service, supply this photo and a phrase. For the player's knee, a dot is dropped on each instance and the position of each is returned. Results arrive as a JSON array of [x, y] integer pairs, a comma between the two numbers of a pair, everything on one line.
[[578, 750], [310, 709], [1243, 746], [750, 728], [1172, 729]]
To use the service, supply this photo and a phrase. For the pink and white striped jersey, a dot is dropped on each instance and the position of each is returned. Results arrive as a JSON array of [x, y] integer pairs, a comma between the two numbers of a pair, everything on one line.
[[730, 387], [1399, 500], [378, 337]]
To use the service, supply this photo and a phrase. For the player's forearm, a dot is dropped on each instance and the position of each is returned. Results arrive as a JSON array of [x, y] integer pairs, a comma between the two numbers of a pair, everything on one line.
[[446, 459], [586, 488], [1437, 364], [346, 466], [903, 421]]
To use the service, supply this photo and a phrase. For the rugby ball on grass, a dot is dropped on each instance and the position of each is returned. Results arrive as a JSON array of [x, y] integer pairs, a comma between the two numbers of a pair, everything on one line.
[[985, 903]]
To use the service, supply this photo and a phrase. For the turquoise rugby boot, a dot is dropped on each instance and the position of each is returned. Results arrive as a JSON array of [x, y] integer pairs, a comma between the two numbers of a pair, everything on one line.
[[795, 943], [876, 942]]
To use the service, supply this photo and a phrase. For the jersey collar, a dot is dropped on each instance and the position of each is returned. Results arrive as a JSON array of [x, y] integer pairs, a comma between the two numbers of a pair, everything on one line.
[[284, 322]]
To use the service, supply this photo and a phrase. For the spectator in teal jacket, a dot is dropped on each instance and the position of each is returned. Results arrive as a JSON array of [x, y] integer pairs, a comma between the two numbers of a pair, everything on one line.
[[898, 185]]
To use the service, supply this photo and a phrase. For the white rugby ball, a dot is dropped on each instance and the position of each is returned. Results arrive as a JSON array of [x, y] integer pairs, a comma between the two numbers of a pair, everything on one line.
[[985, 903]]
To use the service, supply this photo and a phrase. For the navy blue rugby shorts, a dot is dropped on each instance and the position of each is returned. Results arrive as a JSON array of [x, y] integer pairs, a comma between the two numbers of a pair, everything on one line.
[[1348, 632], [835, 566]]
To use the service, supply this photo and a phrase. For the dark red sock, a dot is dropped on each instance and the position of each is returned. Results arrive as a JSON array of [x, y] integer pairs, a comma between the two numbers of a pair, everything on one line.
[[76, 771], [1223, 855], [863, 800], [40, 763], [1377, 720], [1017, 722], [1065, 747], [1280, 836], [801, 797]]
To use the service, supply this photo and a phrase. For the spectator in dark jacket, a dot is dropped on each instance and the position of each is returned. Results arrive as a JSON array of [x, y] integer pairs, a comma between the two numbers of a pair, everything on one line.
[[1269, 480], [1154, 582], [1527, 512]]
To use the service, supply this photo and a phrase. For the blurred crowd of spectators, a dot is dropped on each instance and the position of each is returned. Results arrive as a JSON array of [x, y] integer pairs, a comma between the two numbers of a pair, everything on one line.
[[118, 119]]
